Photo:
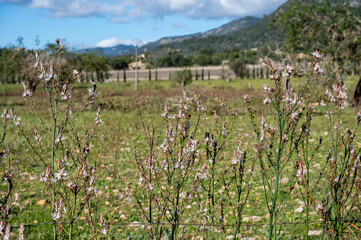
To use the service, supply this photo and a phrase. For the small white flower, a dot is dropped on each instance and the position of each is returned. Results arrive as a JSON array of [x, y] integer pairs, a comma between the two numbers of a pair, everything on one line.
[[316, 54], [266, 101], [266, 88]]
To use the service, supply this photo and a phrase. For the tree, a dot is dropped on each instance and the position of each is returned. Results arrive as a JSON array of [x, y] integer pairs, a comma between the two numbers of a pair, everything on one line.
[[183, 77], [173, 59], [124, 75], [17, 63], [203, 60], [96, 63], [237, 67], [332, 28], [119, 62]]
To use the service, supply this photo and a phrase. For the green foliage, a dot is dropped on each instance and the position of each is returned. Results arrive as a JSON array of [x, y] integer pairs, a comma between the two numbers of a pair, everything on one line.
[[95, 64], [332, 28], [120, 62], [124, 75], [238, 67], [184, 77], [203, 60], [173, 59], [11, 63]]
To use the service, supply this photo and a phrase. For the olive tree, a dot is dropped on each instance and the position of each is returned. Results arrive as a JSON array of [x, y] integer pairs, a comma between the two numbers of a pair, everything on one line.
[[334, 28], [183, 77]]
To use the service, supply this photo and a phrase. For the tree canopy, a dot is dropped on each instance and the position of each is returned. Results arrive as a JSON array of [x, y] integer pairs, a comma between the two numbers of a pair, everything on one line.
[[334, 28]]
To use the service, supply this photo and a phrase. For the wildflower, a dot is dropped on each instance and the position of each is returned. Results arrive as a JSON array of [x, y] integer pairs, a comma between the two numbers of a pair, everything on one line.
[[92, 92], [3, 154], [237, 156], [103, 224], [275, 76], [60, 138], [71, 186], [266, 88], [317, 55], [318, 69], [62, 173], [165, 114], [272, 130], [358, 116], [290, 68], [27, 93], [6, 114], [319, 207], [263, 129], [224, 132], [294, 117], [266, 101], [59, 210], [37, 137], [65, 93], [330, 95], [7, 232], [340, 93], [46, 76], [98, 120], [322, 103], [300, 171], [246, 99], [337, 124], [257, 148], [21, 231]]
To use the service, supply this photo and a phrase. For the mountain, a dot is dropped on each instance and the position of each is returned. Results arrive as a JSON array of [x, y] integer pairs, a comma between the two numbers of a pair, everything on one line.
[[225, 29], [257, 34], [117, 50]]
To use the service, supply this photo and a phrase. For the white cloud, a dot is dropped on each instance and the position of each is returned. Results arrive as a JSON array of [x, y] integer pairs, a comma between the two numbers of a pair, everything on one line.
[[111, 42], [128, 10]]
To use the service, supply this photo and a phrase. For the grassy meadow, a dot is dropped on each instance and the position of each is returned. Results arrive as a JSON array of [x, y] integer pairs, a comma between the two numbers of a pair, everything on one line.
[[121, 139]]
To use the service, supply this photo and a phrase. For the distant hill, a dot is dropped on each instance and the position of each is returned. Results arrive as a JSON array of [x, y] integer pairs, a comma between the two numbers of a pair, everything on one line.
[[223, 30], [117, 50], [254, 35]]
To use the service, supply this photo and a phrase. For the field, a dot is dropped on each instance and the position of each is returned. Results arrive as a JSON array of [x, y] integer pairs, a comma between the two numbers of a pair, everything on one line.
[[121, 145]]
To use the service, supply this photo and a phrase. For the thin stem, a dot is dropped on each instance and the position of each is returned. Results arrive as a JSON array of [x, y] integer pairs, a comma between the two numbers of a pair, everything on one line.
[[53, 167], [72, 215]]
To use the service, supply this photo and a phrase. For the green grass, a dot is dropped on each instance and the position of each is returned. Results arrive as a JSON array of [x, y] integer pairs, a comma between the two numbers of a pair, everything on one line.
[[121, 137]]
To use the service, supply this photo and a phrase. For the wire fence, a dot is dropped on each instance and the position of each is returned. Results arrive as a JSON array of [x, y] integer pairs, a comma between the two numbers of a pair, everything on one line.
[[249, 230], [195, 224]]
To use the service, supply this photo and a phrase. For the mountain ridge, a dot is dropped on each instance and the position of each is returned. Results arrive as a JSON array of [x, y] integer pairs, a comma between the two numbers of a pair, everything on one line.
[[224, 29]]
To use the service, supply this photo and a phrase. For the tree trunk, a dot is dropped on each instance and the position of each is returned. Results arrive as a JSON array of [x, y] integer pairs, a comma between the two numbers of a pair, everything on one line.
[[357, 94], [184, 89]]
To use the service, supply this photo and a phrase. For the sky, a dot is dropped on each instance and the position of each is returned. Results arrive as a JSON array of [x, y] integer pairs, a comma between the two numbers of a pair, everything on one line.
[[106, 23]]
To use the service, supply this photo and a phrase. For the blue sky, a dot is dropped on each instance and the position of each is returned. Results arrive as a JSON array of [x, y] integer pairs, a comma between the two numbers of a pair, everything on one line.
[[106, 23]]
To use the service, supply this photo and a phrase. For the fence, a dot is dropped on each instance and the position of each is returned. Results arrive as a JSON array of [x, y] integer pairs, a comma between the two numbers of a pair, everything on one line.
[[248, 230]]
